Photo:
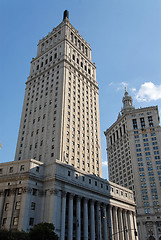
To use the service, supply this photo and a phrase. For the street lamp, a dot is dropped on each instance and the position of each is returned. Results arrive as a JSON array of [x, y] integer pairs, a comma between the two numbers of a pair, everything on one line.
[[126, 230]]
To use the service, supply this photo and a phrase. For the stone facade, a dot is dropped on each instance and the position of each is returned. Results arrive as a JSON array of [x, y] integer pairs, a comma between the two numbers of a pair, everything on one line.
[[81, 206], [60, 115], [133, 148], [56, 175]]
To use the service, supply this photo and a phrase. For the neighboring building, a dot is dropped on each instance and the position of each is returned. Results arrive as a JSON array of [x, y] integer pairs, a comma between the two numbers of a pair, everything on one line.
[[56, 175], [134, 150]]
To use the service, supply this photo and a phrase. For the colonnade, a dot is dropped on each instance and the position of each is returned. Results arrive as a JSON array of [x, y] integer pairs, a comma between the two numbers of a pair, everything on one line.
[[88, 218]]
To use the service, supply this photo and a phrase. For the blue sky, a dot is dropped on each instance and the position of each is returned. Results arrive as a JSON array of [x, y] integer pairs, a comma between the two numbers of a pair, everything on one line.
[[125, 37]]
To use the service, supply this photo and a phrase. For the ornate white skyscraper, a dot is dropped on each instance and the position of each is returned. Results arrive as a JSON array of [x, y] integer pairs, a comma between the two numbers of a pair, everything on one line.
[[60, 116], [134, 148]]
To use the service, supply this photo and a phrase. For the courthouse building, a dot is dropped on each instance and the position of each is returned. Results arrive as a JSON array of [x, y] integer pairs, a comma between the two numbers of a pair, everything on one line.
[[56, 175], [134, 148]]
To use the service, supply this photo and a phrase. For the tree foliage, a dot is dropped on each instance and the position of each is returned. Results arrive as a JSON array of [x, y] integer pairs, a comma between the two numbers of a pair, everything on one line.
[[13, 235], [41, 231]]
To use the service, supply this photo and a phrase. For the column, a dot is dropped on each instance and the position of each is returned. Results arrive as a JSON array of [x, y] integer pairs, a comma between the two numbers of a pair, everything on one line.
[[2, 203], [70, 217], [85, 219], [52, 208], [121, 226], [126, 226], [105, 237], [155, 230], [63, 210], [78, 218], [11, 208], [24, 210], [116, 232], [135, 225], [131, 225], [111, 224], [98, 218], [55, 208], [57, 211], [92, 220], [143, 232]]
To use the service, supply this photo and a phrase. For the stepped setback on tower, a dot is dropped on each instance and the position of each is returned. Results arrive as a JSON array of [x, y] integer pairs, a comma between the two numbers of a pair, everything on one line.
[[56, 175], [60, 116]]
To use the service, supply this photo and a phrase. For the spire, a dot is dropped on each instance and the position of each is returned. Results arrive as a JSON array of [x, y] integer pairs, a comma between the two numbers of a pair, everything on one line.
[[127, 102], [66, 15]]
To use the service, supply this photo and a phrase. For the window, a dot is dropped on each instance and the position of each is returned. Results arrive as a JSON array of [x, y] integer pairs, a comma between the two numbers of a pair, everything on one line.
[[34, 191], [17, 205], [150, 121], [22, 168], [4, 221], [10, 169], [33, 205], [15, 221], [1, 170], [6, 206], [31, 222], [19, 191], [142, 122]]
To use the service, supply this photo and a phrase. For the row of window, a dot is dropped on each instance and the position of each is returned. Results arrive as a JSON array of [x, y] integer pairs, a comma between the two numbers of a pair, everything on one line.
[[18, 205], [78, 43], [142, 122], [16, 220], [50, 41], [22, 168]]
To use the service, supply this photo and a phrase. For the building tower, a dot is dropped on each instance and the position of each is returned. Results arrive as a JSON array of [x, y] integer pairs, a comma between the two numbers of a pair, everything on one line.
[[56, 175], [133, 149], [60, 116]]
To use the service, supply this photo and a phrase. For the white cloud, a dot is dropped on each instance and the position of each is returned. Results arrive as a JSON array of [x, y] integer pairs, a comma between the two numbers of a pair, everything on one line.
[[118, 86], [124, 84], [148, 92], [110, 84], [133, 89], [104, 163]]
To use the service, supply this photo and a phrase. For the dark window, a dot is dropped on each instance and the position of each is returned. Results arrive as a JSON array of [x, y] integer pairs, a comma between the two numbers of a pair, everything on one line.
[[135, 126], [34, 191], [31, 222], [33, 206], [142, 122]]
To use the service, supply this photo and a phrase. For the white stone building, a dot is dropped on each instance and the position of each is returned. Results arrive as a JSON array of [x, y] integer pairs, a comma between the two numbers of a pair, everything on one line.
[[56, 175], [133, 148]]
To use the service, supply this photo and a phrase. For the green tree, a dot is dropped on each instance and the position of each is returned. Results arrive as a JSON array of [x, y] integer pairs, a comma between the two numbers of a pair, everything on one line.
[[43, 231], [4, 234], [13, 235], [18, 235]]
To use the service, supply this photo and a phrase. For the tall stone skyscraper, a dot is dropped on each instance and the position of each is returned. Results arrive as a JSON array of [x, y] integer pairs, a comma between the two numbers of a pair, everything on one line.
[[56, 175], [134, 153], [60, 116]]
